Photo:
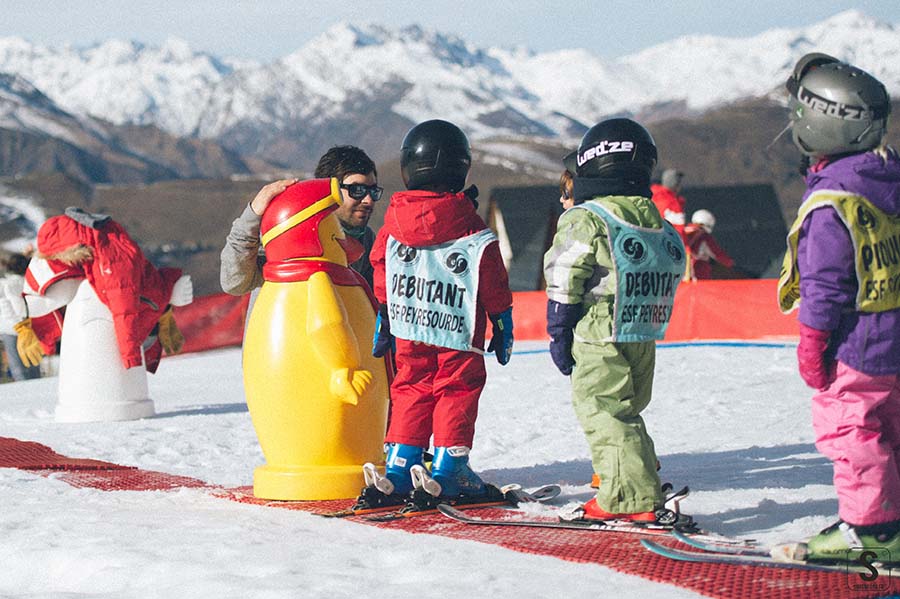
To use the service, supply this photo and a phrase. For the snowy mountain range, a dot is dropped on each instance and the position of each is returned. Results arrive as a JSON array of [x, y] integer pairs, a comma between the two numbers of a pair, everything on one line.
[[367, 83], [36, 135]]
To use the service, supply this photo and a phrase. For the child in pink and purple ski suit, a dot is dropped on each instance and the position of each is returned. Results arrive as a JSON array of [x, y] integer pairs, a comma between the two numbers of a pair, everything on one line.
[[843, 267]]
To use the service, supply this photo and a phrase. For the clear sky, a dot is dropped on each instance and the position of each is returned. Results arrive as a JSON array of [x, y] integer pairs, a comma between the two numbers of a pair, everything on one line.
[[268, 29]]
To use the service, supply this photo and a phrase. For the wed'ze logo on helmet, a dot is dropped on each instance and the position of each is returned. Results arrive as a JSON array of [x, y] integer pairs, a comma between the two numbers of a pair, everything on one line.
[[838, 110], [603, 148], [457, 263]]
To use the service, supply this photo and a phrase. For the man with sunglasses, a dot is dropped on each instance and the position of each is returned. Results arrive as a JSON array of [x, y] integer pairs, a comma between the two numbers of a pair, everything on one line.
[[241, 262]]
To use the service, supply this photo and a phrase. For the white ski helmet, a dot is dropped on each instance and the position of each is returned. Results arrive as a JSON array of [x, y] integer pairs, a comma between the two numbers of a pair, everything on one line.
[[705, 219]]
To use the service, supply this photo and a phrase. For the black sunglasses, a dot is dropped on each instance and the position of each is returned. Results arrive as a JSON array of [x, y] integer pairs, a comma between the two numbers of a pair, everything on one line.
[[358, 191]]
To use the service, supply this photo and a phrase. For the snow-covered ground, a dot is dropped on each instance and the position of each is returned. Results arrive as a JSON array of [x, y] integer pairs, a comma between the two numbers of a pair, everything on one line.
[[733, 422]]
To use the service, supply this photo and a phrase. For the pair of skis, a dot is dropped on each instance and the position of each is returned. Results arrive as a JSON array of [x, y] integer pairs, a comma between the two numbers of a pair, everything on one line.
[[422, 503], [778, 556], [667, 521], [707, 547]]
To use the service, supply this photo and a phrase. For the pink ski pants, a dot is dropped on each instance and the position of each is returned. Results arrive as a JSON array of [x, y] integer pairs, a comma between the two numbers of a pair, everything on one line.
[[857, 425]]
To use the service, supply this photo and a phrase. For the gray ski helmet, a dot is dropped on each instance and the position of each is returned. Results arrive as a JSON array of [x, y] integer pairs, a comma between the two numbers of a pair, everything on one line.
[[835, 108], [617, 148], [435, 152]]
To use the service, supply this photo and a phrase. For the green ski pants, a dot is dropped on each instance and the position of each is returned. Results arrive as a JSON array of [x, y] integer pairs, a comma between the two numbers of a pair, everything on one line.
[[611, 386]]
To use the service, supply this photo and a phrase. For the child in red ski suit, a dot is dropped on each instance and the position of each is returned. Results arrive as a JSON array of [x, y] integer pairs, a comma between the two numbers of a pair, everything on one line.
[[703, 246], [438, 275]]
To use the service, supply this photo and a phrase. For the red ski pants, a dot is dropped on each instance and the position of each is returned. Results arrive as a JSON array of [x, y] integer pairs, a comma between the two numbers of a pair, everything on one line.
[[435, 390]]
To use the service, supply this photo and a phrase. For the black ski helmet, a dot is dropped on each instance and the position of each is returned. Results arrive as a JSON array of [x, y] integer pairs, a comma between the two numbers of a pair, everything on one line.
[[617, 149], [435, 152]]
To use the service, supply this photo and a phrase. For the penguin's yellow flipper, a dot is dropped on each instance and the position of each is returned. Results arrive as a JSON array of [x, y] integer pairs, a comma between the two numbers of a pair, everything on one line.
[[333, 340]]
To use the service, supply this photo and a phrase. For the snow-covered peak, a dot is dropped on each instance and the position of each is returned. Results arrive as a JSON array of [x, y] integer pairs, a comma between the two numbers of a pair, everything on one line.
[[705, 70], [121, 81], [113, 52], [176, 50], [854, 19], [422, 73], [343, 39], [23, 107]]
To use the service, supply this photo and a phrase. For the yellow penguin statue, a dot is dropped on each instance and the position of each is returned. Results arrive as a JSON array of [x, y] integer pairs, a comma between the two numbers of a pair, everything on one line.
[[317, 397]]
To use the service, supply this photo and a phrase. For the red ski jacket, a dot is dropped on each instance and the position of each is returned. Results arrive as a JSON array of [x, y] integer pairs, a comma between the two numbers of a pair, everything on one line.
[[125, 281], [670, 206], [704, 248]]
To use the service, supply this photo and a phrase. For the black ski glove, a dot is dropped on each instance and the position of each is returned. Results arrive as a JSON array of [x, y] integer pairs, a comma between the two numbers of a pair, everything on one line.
[[561, 321], [502, 340]]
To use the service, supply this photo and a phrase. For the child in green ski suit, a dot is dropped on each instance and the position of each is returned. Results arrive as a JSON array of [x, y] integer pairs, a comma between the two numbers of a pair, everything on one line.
[[611, 276]]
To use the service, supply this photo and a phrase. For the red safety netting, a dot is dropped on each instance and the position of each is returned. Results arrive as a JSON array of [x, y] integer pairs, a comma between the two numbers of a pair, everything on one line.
[[744, 309], [212, 321], [727, 309], [617, 551], [730, 309]]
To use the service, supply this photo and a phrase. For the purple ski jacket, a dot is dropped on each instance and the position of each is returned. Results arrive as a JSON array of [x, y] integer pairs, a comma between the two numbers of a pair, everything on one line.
[[867, 342]]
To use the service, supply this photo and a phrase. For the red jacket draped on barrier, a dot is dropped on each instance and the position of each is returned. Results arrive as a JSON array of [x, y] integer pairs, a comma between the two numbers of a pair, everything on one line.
[[135, 291]]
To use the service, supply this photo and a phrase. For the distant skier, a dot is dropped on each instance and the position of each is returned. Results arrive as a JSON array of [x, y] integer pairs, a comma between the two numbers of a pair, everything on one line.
[[668, 200], [704, 248], [611, 277], [842, 268], [438, 276]]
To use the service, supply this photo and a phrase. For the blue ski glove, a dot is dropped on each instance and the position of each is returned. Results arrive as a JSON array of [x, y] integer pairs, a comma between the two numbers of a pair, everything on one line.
[[502, 340], [383, 340], [561, 321]]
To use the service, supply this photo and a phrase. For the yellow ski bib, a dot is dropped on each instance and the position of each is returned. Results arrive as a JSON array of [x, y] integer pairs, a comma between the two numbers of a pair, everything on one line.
[[876, 246]]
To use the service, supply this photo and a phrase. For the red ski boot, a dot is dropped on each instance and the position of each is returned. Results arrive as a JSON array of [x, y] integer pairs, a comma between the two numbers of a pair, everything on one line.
[[592, 511]]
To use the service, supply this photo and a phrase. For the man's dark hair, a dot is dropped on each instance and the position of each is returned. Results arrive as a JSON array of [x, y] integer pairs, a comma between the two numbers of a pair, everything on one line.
[[341, 161]]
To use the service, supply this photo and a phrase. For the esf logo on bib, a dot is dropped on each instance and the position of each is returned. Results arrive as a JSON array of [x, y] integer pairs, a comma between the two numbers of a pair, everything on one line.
[[632, 248], [407, 255], [674, 249], [457, 263]]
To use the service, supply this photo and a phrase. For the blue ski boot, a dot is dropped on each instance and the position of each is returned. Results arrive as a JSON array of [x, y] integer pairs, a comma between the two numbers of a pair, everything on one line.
[[391, 489], [400, 458], [451, 470]]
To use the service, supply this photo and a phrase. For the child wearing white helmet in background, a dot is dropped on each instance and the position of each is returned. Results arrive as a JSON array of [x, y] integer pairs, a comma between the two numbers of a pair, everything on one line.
[[703, 246]]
